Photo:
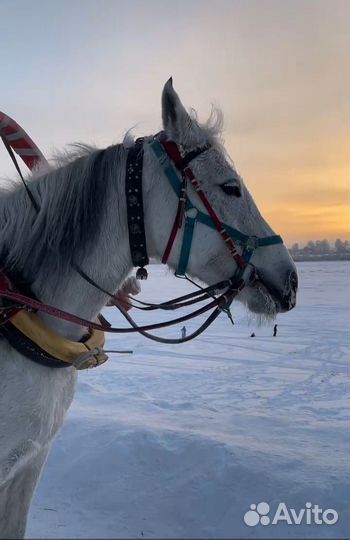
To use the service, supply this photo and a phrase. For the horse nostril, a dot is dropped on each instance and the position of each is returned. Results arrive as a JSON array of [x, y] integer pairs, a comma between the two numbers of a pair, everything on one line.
[[290, 290], [293, 281]]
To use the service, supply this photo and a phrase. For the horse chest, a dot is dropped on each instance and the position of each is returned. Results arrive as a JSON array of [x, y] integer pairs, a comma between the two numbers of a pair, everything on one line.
[[33, 403]]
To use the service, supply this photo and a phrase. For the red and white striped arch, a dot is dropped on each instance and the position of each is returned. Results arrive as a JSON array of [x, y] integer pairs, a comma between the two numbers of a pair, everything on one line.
[[20, 142]]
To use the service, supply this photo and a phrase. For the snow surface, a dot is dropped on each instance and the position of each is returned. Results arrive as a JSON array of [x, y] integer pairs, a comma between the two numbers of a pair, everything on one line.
[[178, 441]]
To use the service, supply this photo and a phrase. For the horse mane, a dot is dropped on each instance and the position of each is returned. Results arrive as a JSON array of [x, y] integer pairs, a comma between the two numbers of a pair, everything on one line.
[[72, 195]]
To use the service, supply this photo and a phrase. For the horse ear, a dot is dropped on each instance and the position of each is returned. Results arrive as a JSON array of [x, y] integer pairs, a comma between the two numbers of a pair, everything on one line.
[[175, 117]]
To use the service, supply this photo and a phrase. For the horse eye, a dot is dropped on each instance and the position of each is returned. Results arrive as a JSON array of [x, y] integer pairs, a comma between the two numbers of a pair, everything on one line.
[[231, 190]]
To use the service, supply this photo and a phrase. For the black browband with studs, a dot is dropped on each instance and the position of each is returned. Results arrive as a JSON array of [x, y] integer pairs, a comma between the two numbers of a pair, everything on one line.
[[134, 203]]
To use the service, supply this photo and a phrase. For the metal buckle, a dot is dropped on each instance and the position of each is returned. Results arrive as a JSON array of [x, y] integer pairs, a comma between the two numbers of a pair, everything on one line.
[[90, 359], [191, 213], [252, 243]]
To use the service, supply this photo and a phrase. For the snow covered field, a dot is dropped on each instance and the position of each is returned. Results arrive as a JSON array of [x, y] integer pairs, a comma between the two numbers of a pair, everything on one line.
[[179, 441]]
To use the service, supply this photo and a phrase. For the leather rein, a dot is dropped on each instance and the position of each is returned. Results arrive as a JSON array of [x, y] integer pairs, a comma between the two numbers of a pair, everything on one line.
[[174, 164]]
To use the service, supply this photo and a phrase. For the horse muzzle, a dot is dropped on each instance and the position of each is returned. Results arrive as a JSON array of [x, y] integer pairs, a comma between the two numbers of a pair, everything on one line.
[[283, 298], [286, 297]]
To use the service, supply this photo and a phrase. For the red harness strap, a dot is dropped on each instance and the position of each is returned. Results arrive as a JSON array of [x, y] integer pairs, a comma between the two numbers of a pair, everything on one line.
[[177, 222], [218, 224], [173, 152]]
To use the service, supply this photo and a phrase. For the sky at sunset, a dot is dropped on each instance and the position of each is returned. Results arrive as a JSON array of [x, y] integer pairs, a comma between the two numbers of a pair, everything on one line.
[[88, 70]]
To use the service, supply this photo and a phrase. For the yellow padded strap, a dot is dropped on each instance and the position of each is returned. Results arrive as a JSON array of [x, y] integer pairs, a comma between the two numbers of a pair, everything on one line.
[[57, 346]]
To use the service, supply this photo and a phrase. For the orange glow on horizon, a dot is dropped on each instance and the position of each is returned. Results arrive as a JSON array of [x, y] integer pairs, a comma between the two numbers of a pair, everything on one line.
[[303, 193]]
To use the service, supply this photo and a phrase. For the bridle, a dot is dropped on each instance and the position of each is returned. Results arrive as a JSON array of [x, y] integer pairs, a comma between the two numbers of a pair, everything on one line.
[[172, 163], [176, 168], [186, 211]]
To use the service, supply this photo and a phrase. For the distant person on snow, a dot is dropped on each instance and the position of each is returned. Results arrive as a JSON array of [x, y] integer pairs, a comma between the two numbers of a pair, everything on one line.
[[183, 332], [275, 330], [252, 335]]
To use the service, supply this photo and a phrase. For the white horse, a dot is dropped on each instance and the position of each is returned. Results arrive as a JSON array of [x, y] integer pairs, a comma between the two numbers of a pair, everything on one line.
[[83, 216]]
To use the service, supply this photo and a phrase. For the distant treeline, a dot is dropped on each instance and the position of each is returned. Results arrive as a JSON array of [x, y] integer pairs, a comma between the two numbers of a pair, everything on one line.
[[321, 250]]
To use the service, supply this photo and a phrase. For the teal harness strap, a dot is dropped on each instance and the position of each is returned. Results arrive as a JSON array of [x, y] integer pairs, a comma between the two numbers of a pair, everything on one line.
[[167, 166], [243, 239], [270, 240], [186, 246]]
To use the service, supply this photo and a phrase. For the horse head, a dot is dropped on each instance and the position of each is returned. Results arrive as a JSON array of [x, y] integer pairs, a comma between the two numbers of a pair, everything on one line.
[[275, 285]]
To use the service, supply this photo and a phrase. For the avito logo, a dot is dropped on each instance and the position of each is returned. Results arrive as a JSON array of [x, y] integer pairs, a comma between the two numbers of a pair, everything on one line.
[[309, 515]]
